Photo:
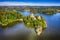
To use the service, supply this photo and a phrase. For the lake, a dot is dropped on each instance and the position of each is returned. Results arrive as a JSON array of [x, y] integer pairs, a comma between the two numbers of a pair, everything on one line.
[[21, 32]]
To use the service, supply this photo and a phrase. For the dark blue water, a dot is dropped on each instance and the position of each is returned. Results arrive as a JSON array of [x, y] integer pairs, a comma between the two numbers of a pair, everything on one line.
[[52, 31], [53, 21]]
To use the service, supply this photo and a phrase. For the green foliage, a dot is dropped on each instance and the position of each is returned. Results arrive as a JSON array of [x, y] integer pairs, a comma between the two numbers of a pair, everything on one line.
[[9, 16], [30, 22]]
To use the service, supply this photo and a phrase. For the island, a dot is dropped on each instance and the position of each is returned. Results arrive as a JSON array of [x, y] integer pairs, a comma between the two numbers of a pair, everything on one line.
[[12, 17], [9, 16], [38, 23]]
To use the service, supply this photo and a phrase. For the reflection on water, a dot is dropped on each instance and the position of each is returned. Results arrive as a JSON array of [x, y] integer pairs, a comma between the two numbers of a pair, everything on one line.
[[21, 32], [18, 32], [53, 27], [17, 29]]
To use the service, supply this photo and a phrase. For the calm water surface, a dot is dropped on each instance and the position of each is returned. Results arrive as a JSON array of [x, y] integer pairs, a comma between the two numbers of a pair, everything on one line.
[[53, 27], [52, 31]]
